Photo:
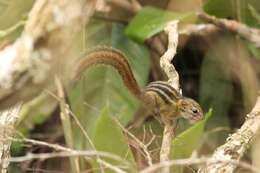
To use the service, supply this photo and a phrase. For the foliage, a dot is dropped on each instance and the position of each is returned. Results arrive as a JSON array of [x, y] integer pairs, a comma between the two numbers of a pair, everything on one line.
[[222, 78], [109, 137], [150, 21], [185, 143]]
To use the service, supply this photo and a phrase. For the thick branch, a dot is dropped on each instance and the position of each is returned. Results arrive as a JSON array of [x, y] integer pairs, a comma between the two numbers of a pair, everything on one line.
[[236, 144], [27, 65]]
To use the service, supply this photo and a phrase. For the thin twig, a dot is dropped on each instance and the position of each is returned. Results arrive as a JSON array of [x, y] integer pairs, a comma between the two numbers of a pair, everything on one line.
[[141, 144], [77, 123], [75, 153], [86, 135], [62, 148], [42, 143], [66, 124], [110, 166]]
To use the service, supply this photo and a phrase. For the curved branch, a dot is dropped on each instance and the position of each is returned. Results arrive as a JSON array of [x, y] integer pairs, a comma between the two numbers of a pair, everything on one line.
[[166, 65]]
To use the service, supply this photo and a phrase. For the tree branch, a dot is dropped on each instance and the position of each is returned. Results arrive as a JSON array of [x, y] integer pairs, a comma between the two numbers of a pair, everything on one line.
[[8, 120], [236, 144], [250, 34], [27, 65], [166, 65]]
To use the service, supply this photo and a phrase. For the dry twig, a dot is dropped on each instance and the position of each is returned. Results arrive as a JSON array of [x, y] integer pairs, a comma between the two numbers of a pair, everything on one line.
[[66, 124], [108, 165], [86, 153], [250, 34], [8, 120], [140, 143], [165, 62]]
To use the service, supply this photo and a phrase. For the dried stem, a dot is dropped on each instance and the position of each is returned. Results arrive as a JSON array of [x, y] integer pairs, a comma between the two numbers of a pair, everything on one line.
[[58, 147], [41, 143], [165, 62], [110, 166], [66, 124], [168, 135], [141, 144], [236, 145], [8, 120], [86, 153]]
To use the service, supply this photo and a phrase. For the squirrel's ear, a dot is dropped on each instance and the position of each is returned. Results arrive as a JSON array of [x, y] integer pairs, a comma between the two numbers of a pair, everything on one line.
[[183, 102]]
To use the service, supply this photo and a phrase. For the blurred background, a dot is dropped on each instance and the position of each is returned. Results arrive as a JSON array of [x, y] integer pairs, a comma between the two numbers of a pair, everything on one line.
[[217, 68]]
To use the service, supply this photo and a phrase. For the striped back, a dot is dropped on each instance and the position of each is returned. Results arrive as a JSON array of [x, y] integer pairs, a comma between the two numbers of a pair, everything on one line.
[[164, 90]]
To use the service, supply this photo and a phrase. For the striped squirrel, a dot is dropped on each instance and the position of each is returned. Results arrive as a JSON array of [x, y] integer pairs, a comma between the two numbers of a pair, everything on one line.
[[159, 97]]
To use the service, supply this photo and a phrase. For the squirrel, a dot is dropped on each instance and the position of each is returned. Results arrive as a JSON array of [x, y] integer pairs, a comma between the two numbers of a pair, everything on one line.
[[159, 97]]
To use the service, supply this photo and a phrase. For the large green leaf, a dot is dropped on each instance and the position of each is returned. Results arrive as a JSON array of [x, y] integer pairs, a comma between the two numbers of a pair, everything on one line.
[[185, 143], [150, 21], [109, 138], [102, 86], [219, 8]]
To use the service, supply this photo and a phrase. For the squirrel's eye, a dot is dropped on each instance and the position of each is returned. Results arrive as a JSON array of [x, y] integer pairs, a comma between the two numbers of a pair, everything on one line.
[[194, 111]]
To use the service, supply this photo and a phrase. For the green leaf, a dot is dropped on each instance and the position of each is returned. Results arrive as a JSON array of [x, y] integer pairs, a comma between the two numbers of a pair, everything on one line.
[[109, 138], [4, 33], [185, 143], [219, 8], [254, 13], [14, 11], [247, 14], [150, 21], [36, 112], [254, 50]]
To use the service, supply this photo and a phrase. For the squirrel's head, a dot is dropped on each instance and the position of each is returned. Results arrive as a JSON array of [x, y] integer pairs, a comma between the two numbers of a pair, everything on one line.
[[190, 110]]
